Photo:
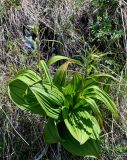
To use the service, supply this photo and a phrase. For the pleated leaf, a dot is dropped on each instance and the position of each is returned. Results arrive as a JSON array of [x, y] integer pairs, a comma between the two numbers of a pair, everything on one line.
[[90, 149], [74, 86], [60, 75], [95, 109], [20, 93], [97, 93], [50, 98], [51, 134], [81, 125], [28, 76], [30, 93]]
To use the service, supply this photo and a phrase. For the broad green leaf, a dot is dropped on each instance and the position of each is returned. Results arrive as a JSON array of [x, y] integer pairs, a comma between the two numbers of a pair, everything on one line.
[[54, 59], [81, 125], [30, 93], [20, 94], [90, 149], [72, 90], [81, 103], [60, 75], [97, 93], [28, 76], [74, 86], [51, 134], [95, 109], [50, 98], [86, 102], [43, 66]]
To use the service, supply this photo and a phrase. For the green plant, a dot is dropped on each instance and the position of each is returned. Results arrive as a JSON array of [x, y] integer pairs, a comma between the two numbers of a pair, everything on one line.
[[69, 99], [92, 59], [121, 149], [11, 3], [104, 27]]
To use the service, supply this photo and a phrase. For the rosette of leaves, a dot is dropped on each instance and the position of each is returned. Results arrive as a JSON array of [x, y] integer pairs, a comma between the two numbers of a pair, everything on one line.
[[70, 100]]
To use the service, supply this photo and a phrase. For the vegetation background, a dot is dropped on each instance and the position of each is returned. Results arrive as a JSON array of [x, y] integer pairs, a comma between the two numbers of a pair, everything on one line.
[[92, 30]]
